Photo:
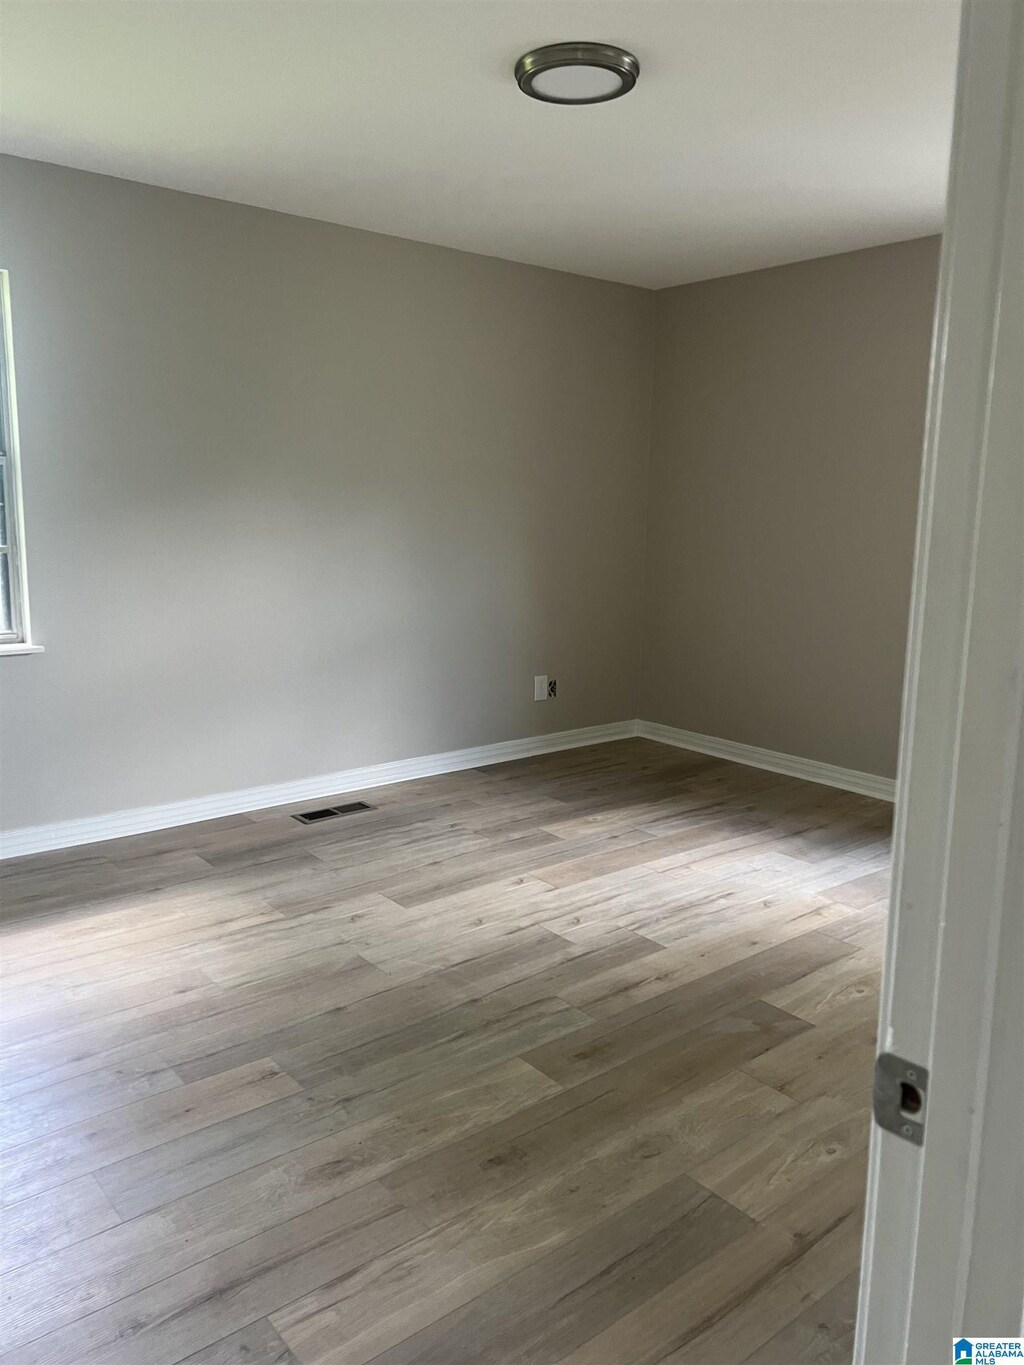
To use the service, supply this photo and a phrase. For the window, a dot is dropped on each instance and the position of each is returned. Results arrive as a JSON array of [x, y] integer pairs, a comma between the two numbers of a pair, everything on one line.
[[15, 635]]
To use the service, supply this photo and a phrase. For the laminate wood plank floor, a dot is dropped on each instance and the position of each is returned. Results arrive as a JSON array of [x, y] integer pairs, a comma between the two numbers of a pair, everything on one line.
[[561, 1060]]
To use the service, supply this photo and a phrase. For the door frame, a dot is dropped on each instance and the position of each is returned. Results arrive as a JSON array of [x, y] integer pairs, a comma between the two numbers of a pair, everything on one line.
[[944, 1234]]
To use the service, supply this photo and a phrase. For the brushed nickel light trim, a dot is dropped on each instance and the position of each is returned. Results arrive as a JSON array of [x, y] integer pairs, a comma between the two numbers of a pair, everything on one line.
[[533, 67]]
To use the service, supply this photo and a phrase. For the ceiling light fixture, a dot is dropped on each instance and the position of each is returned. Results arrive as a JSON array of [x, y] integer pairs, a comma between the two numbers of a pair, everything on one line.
[[577, 73]]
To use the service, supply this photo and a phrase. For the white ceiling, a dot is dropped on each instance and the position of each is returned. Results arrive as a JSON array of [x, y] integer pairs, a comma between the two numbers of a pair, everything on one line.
[[761, 131]]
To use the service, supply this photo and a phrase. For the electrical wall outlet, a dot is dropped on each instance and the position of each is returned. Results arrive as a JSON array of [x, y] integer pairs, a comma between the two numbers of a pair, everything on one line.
[[540, 687], [552, 687]]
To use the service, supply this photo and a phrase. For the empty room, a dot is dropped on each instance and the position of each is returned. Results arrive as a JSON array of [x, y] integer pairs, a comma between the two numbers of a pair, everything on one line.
[[462, 648]]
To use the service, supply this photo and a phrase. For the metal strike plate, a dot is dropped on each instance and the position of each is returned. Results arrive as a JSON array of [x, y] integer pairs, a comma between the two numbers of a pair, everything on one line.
[[900, 1097]]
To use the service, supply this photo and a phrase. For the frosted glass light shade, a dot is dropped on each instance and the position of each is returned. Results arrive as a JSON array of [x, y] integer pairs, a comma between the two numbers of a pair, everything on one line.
[[576, 84]]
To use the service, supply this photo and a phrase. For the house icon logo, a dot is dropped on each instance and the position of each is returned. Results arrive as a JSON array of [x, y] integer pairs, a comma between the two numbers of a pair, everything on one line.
[[963, 1352]]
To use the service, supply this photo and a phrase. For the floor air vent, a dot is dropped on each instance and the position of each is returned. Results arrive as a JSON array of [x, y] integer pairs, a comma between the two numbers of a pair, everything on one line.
[[313, 817]]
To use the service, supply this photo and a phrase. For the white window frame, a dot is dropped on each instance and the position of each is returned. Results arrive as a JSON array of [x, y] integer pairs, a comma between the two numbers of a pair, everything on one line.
[[17, 640]]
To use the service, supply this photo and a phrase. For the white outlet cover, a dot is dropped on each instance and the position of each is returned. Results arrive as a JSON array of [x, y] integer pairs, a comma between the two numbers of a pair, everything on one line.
[[540, 687]]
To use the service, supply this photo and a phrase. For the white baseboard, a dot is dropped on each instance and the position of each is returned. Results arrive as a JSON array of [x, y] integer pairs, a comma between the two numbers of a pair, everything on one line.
[[16, 843], [865, 784], [96, 829]]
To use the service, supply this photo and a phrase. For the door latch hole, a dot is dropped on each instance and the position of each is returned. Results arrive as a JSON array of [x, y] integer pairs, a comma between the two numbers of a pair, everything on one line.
[[911, 1099]]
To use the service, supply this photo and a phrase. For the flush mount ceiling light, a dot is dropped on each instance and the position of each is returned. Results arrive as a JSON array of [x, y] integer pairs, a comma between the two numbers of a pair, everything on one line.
[[577, 73]]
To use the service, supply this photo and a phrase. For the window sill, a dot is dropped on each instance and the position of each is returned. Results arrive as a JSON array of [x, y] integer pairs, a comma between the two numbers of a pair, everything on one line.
[[20, 649]]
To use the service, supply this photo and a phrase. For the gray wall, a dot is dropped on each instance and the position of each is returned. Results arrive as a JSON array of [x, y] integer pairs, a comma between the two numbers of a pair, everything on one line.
[[300, 497], [788, 423]]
